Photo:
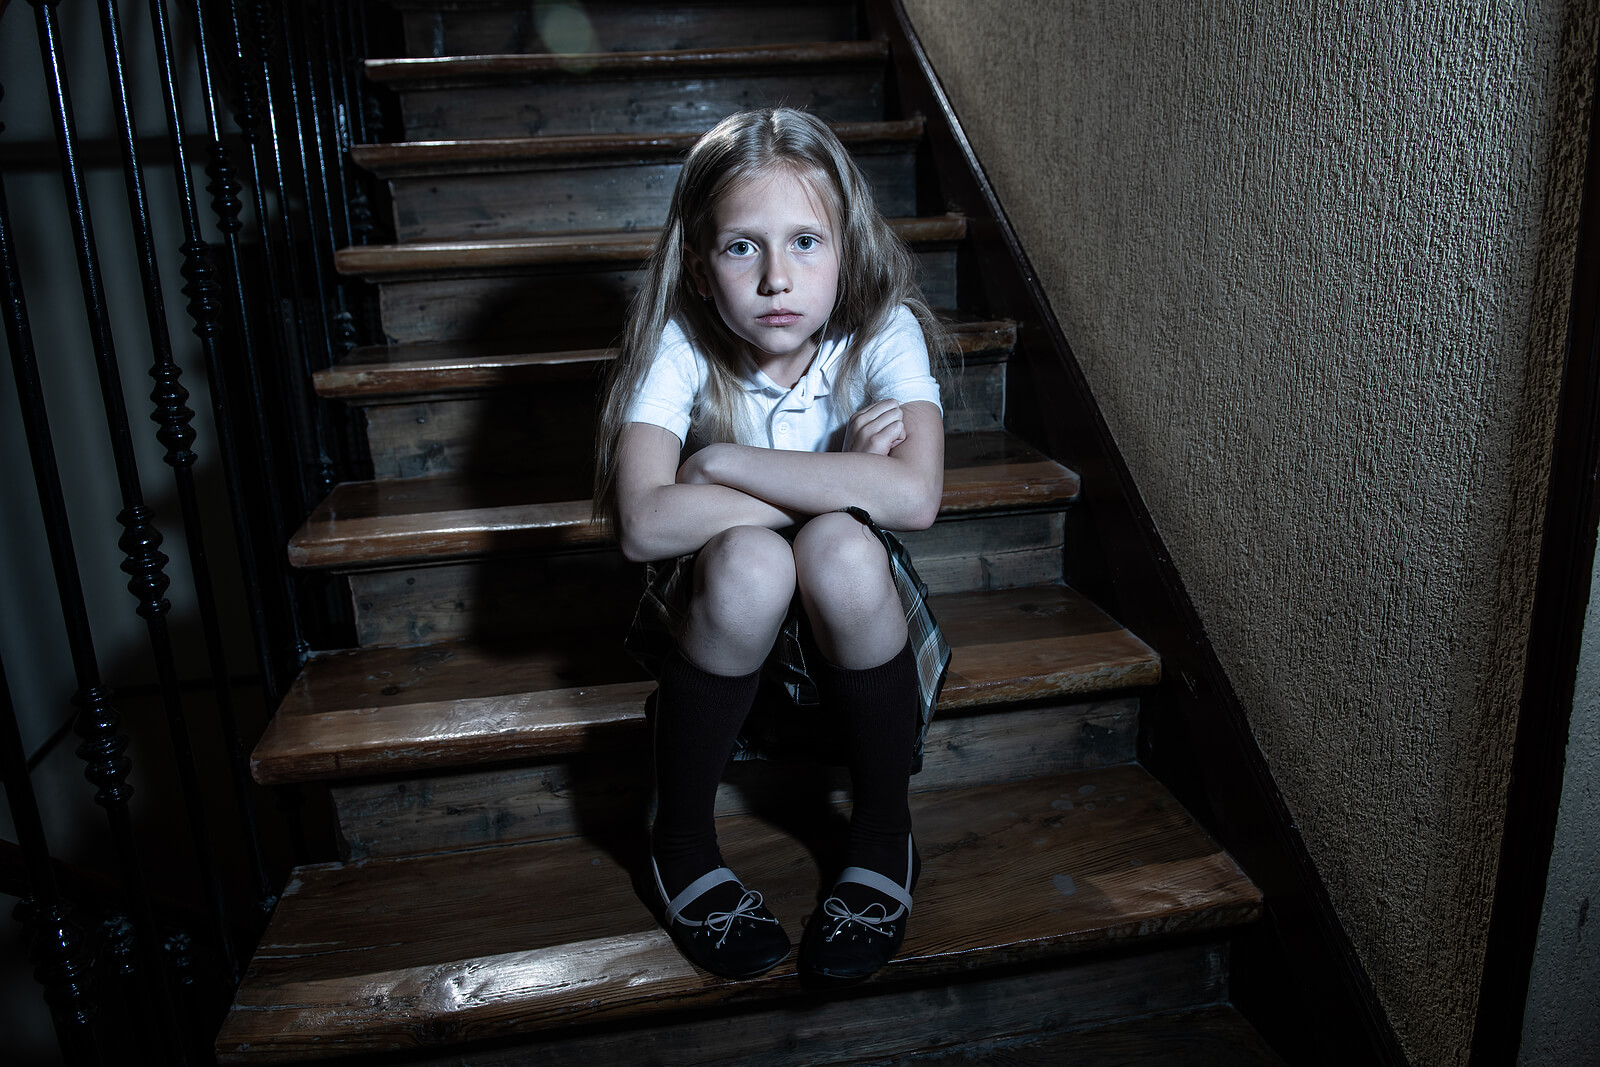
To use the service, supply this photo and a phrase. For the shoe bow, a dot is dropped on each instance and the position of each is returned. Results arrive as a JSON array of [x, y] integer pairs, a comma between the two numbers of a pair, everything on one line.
[[872, 917], [722, 921]]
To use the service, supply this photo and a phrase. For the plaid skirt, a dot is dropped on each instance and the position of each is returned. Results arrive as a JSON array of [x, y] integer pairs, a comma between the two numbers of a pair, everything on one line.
[[787, 720]]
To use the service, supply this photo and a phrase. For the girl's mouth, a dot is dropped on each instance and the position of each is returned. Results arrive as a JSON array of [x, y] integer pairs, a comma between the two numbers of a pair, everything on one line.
[[780, 317]]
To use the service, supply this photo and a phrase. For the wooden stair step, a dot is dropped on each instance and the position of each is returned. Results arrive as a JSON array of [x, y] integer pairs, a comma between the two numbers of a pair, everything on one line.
[[481, 27], [626, 248], [378, 371], [417, 519], [682, 90], [411, 159], [394, 955], [1216, 1034], [391, 711], [456, 71], [503, 187]]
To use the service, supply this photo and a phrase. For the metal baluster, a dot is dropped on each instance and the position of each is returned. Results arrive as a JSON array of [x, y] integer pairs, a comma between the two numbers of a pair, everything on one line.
[[98, 723], [350, 48], [56, 947], [333, 142], [252, 113], [260, 425], [204, 307], [172, 415], [302, 400]]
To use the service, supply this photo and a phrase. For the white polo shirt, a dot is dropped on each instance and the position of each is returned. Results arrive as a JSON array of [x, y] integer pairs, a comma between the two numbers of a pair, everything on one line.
[[809, 417]]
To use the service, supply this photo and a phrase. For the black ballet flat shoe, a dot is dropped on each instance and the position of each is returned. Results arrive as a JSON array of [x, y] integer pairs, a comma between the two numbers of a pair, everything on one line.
[[842, 943], [740, 943]]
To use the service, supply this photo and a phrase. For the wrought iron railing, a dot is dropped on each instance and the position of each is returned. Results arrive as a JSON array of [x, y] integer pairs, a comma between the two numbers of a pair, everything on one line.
[[128, 976]]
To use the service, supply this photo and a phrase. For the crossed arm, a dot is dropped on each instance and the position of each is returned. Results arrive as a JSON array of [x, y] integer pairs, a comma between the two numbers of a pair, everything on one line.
[[892, 466]]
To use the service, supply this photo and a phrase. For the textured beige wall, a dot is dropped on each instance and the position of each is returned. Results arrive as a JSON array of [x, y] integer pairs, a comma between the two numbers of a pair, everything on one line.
[[1314, 256]]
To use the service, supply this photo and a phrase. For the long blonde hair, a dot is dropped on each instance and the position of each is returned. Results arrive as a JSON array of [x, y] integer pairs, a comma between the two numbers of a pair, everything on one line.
[[877, 274]]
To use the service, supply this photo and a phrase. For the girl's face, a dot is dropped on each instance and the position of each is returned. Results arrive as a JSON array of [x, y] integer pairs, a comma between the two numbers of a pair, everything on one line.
[[770, 264]]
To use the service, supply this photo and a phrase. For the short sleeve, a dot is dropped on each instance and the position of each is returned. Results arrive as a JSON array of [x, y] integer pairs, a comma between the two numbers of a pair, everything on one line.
[[895, 363], [667, 394]]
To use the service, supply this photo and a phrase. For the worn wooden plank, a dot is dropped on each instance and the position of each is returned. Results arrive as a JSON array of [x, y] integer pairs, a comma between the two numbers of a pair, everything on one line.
[[474, 97], [609, 784], [450, 516], [453, 28], [456, 71], [518, 430], [391, 710], [980, 1020], [575, 199], [397, 955], [1215, 1036], [377, 262], [512, 597], [535, 302], [511, 602], [418, 159], [493, 363], [497, 187]]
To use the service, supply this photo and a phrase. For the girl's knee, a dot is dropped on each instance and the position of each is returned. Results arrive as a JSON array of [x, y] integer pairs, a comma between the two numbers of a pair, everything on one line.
[[749, 566], [836, 557]]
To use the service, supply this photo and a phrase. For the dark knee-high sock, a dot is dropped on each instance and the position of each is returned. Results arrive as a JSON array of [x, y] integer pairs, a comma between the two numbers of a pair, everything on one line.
[[698, 716], [880, 707]]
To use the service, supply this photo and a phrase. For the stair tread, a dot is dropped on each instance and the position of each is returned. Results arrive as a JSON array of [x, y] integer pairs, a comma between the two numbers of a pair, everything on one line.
[[445, 71], [409, 158], [378, 261], [396, 710], [393, 954], [438, 366], [450, 515]]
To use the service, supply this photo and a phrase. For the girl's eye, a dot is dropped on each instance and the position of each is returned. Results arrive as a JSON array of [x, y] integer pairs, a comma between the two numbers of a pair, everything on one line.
[[741, 248], [805, 242]]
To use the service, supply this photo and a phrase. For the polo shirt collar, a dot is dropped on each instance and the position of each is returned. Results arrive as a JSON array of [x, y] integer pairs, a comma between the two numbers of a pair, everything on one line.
[[817, 381]]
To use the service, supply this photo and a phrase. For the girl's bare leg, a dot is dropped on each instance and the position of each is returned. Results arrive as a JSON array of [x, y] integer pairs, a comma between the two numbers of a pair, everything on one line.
[[869, 677], [848, 593], [744, 581]]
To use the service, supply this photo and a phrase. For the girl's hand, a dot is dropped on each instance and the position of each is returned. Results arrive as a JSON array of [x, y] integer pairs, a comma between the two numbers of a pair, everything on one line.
[[876, 429]]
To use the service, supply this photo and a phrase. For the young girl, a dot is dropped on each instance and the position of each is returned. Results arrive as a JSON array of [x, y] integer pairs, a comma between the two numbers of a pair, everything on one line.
[[772, 405]]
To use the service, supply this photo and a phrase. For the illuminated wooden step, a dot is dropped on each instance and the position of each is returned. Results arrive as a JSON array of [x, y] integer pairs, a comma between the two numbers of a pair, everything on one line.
[[682, 90], [447, 190], [525, 286], [484, 27], [393, 711], [390, 956], [379, 371], [420, 519]]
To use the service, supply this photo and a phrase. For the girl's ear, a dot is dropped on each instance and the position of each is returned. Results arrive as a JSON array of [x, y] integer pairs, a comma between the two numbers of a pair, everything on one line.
[[696, 266]]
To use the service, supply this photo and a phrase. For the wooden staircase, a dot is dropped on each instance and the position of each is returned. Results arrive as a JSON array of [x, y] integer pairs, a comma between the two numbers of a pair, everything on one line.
[[484, 746]]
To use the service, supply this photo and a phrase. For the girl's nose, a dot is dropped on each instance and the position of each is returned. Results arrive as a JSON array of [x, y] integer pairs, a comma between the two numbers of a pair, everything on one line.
[[774, 279]]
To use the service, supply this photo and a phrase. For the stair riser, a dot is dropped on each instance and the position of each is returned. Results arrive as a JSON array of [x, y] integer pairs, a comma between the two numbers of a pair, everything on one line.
[[614, 196], [608, 795], [636, 103], [534, 303], [513, 28], [965, 1019], [522, 595], [522, 429]]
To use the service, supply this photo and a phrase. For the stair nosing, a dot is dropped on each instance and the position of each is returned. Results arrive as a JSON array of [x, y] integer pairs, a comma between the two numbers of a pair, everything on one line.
[[415, 158], [449, 533], [449, 71], [584, 715], [356, 377], [497, 255], [633, 970]]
